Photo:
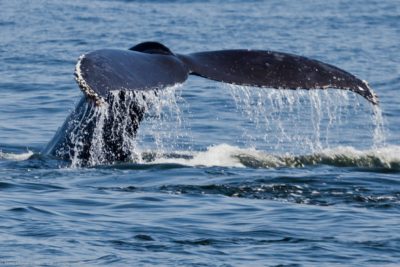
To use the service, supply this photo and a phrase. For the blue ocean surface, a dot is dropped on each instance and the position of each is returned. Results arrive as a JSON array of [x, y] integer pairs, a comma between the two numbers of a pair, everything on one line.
[[225, 175]]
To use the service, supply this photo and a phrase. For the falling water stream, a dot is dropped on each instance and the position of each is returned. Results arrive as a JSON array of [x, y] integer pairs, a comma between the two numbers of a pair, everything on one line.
[[304, 121], [286, 128]]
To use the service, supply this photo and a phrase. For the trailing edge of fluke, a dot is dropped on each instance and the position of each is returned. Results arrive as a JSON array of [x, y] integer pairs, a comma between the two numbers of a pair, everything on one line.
[[152, 66]]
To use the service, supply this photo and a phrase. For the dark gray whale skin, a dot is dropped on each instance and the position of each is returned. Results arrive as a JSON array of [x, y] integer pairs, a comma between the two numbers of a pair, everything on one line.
[[74, 140], [152, 66]]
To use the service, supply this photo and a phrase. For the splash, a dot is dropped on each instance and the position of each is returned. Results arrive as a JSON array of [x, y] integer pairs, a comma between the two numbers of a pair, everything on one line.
[[109, 133], [225, 155], [304, 121], [222, 155], [297, 128], [15, 156], [164, 129], [379, 129]]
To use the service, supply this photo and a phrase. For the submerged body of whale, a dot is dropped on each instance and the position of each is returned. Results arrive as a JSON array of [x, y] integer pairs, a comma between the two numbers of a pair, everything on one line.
[[117, 78]]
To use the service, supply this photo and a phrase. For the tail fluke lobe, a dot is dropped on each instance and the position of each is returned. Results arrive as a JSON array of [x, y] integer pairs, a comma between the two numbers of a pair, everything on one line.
[[102, 71], [273, 70]]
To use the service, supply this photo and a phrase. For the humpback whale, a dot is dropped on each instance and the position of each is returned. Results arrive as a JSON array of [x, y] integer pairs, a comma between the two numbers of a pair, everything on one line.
[[110, 77]]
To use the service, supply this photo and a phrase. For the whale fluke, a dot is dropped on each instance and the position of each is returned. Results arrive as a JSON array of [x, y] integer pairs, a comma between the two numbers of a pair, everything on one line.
[[152, 66]]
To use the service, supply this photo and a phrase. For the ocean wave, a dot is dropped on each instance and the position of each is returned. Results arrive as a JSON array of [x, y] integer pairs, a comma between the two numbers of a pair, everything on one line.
[[225, 155]]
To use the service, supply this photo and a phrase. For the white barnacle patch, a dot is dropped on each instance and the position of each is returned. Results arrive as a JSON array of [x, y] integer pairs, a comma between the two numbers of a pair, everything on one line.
[[84, 86], [373, 97]]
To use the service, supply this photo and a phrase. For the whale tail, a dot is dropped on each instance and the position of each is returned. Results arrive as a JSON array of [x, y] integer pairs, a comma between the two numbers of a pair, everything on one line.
[[153, 66], [115, 80]]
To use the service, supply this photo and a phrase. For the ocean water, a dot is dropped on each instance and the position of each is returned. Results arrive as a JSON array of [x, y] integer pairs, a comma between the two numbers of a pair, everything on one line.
[[224, 175]]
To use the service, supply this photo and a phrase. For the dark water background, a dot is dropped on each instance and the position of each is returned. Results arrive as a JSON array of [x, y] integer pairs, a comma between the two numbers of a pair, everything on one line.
[[229, 176]]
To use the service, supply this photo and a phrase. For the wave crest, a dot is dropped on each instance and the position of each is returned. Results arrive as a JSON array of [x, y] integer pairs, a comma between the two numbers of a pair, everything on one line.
[[225, 155]]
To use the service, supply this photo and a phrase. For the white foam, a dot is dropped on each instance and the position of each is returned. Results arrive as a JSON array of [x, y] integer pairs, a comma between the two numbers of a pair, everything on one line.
[[383, 156], [222, 155], [15, 157]]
